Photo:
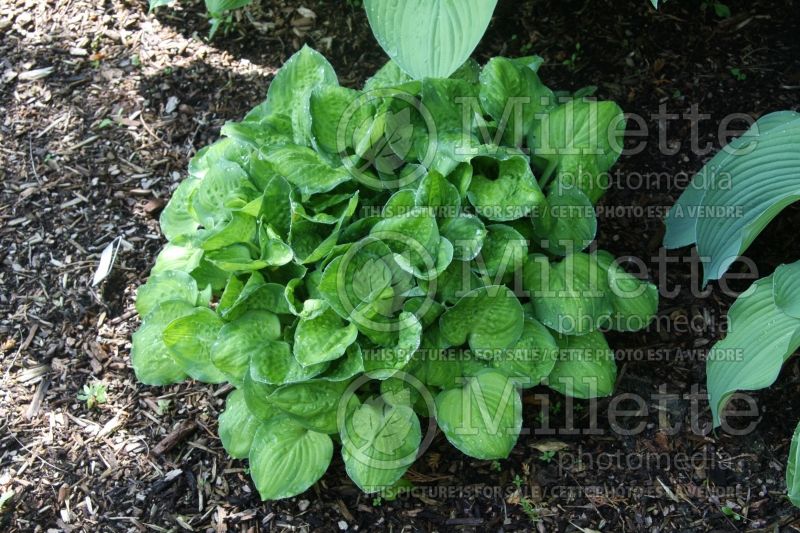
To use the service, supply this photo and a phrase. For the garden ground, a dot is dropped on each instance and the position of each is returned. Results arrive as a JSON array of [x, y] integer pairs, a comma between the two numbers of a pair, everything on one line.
[[102, 105]]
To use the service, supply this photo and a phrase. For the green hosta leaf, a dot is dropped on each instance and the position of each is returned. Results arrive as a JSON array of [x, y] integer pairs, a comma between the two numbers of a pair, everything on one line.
[[786, 288], [246, 336], [531, 358], [301, 73], [335, 113], [379, 443], [389, 75], [512, 194], [345, 367], [286, 458], [467, 234], [323, 338], [256, 396], [503, 253], [189, 339], [792, 471], [272, 363], [164, 286], [382, 363], [568, 223], [239, 228], [225, 186], [438, 194], [489, 318], [173, 257], [634, 302], [584, 129], [739, 192], [445, 99], [235, 258], [256, 294], [150, 357], [581, 174], [429, 38], [585, 367], [313, 404], [176, 220], [305, 169], [512, 93], [414, 233], [217, 7], [483, 418], [570, 296], [760, 338], [237, 426]]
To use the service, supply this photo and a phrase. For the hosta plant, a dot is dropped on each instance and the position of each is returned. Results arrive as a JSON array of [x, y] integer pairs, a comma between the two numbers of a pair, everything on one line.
[[364, 265], [726, 206]]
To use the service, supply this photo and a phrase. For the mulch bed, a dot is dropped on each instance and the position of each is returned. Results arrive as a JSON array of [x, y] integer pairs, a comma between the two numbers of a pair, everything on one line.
[[102, 105]]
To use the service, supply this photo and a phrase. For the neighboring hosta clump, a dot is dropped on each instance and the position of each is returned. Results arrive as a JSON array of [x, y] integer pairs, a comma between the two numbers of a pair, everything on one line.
[[360, 265]]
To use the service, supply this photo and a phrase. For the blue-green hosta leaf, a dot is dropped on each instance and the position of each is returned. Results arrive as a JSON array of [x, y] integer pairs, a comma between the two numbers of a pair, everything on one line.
[[305, 169], [467, 234], [567, 223], [176, 220], [322, 338], [286, 458], [760, 338], [429, 38], [792, 470], [531, 358], [512, 194], [483, 418], [189, 339], [634, 302], [313, 404], [489, 318], [150, 357], [237, 426], [239, 340], [786, 288], [384, 362], [739, 192], [164, 286], [379, 443], [503, 253], [584, 129], [512, 93], [585, 367], [570, 296]]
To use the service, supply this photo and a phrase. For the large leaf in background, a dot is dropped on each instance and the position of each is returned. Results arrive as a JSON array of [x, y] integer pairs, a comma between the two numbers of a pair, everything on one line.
[[761, 336], [792, 470], [150, 357], [286, 458], [189, 339], [482, 418], [379, 443], [489, 318], [429, 38], [757, 174], [237, 426]]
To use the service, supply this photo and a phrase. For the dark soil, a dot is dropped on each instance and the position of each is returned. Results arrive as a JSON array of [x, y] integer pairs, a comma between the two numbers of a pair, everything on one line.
[[90, 150]]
